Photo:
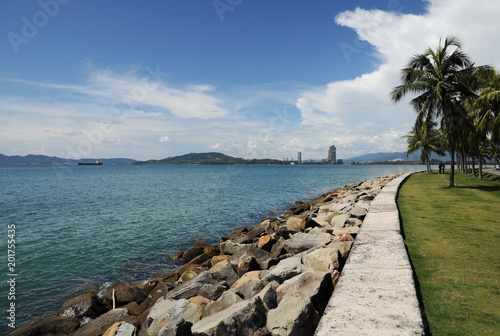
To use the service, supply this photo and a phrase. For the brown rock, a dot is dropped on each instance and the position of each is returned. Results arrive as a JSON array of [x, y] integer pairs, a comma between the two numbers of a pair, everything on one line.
[[217, 259], [195, 251], [266, 242], [124, 293], [133, 308], [104, 322], [50, 325], [308, 222]]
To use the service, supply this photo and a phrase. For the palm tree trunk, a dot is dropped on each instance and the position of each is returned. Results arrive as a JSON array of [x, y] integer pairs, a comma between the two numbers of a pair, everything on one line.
[[480, 167], [428, 164], [452, 168], [473, 166]]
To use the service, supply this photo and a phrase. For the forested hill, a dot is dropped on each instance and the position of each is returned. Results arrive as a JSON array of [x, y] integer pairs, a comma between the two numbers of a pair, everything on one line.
[[208, 158]]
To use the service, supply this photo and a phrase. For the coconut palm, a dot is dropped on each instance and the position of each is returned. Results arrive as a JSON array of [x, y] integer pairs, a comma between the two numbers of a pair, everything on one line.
[[438, 79], [426, 138]]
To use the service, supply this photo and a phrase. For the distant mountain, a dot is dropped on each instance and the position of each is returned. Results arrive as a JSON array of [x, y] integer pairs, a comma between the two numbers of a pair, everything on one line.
[[382, 157], [53, 160], [207, 159]]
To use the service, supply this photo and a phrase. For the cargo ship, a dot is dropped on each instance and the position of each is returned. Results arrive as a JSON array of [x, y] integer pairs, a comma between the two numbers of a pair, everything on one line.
[[97, 163]]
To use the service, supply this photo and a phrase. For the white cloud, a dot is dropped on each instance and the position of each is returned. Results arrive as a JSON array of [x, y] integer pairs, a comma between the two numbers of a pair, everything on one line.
[[165, 139], [362, 117]]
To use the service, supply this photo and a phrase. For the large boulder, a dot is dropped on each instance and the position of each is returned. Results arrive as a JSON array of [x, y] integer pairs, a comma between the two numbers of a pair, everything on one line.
[[286, 269], [338, 222], [182, 309], [86, 305], [50, 325], [229, 247], [226, 300], [195, 251], [268, 295], [203, 284], [242, 260], [160, 308], [245, 318], [124, 293], [358, 212], [323, 259], [312, 285], [105, 321], [304, 241], [293, 223], [223, 271], [294, 317]]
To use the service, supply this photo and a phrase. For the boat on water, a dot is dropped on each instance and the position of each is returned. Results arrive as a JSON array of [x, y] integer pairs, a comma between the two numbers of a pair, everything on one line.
[[97, 163]]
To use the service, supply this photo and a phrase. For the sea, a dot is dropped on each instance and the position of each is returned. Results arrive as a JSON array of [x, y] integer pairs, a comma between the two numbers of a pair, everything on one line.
[[67, 230]]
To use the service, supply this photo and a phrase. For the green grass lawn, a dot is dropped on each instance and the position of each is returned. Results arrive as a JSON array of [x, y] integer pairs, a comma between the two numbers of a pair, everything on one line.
[[453, 237]]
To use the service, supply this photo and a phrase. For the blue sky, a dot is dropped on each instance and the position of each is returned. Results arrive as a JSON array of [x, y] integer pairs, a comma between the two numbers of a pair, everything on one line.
[[247, 78]]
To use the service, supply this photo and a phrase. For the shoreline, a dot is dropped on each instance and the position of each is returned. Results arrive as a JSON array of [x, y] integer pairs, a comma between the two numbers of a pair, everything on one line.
[[250, 258]]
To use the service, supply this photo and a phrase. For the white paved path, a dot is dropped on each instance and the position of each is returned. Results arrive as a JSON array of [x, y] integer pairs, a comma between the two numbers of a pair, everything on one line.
[[376, 293]]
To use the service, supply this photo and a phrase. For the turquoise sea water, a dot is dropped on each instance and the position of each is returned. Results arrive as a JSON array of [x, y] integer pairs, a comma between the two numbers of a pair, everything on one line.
[[81, 228]]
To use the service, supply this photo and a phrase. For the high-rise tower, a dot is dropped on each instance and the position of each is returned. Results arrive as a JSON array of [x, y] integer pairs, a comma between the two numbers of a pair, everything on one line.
[[332, 154]]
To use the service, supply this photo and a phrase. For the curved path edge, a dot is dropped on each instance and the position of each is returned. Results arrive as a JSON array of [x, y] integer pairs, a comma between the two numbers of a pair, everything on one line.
[[376, 293]]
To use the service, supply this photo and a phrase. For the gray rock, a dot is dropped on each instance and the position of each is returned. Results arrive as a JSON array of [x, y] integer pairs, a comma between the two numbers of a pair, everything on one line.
[[86, 305], [183, 308], [178, 327], [342, 246], [303, 242], [229, 247], [223, 271], [294, 317], [203, 284], [286, 269], [351, 222], [358, 212], [323, 259], [338, 222], [243, 254], [250, 288], [312, 285], [226, 300], [245, 318], [268, 295], [121, 329]]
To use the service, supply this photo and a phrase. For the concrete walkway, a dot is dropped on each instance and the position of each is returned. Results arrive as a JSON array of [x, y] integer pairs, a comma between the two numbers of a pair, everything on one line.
[[376, 292]]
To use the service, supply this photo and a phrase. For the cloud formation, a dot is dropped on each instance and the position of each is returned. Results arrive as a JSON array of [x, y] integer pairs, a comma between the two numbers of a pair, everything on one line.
[[357, 114]]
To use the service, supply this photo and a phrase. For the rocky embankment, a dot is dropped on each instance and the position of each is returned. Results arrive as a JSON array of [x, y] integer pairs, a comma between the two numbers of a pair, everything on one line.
[[273, 279]]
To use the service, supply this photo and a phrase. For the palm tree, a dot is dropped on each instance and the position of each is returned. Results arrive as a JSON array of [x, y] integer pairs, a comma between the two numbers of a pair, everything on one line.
[[426, 138], [437, 78]]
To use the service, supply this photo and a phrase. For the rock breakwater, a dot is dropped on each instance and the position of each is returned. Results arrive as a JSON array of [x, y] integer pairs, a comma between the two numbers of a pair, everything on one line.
[[272, 279]]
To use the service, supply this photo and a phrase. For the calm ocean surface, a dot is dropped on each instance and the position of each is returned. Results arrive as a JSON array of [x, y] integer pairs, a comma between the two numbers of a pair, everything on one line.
[[81, 228]]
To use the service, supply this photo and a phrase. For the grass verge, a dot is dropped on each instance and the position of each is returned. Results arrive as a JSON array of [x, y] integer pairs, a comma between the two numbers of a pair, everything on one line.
[[453, 237]]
